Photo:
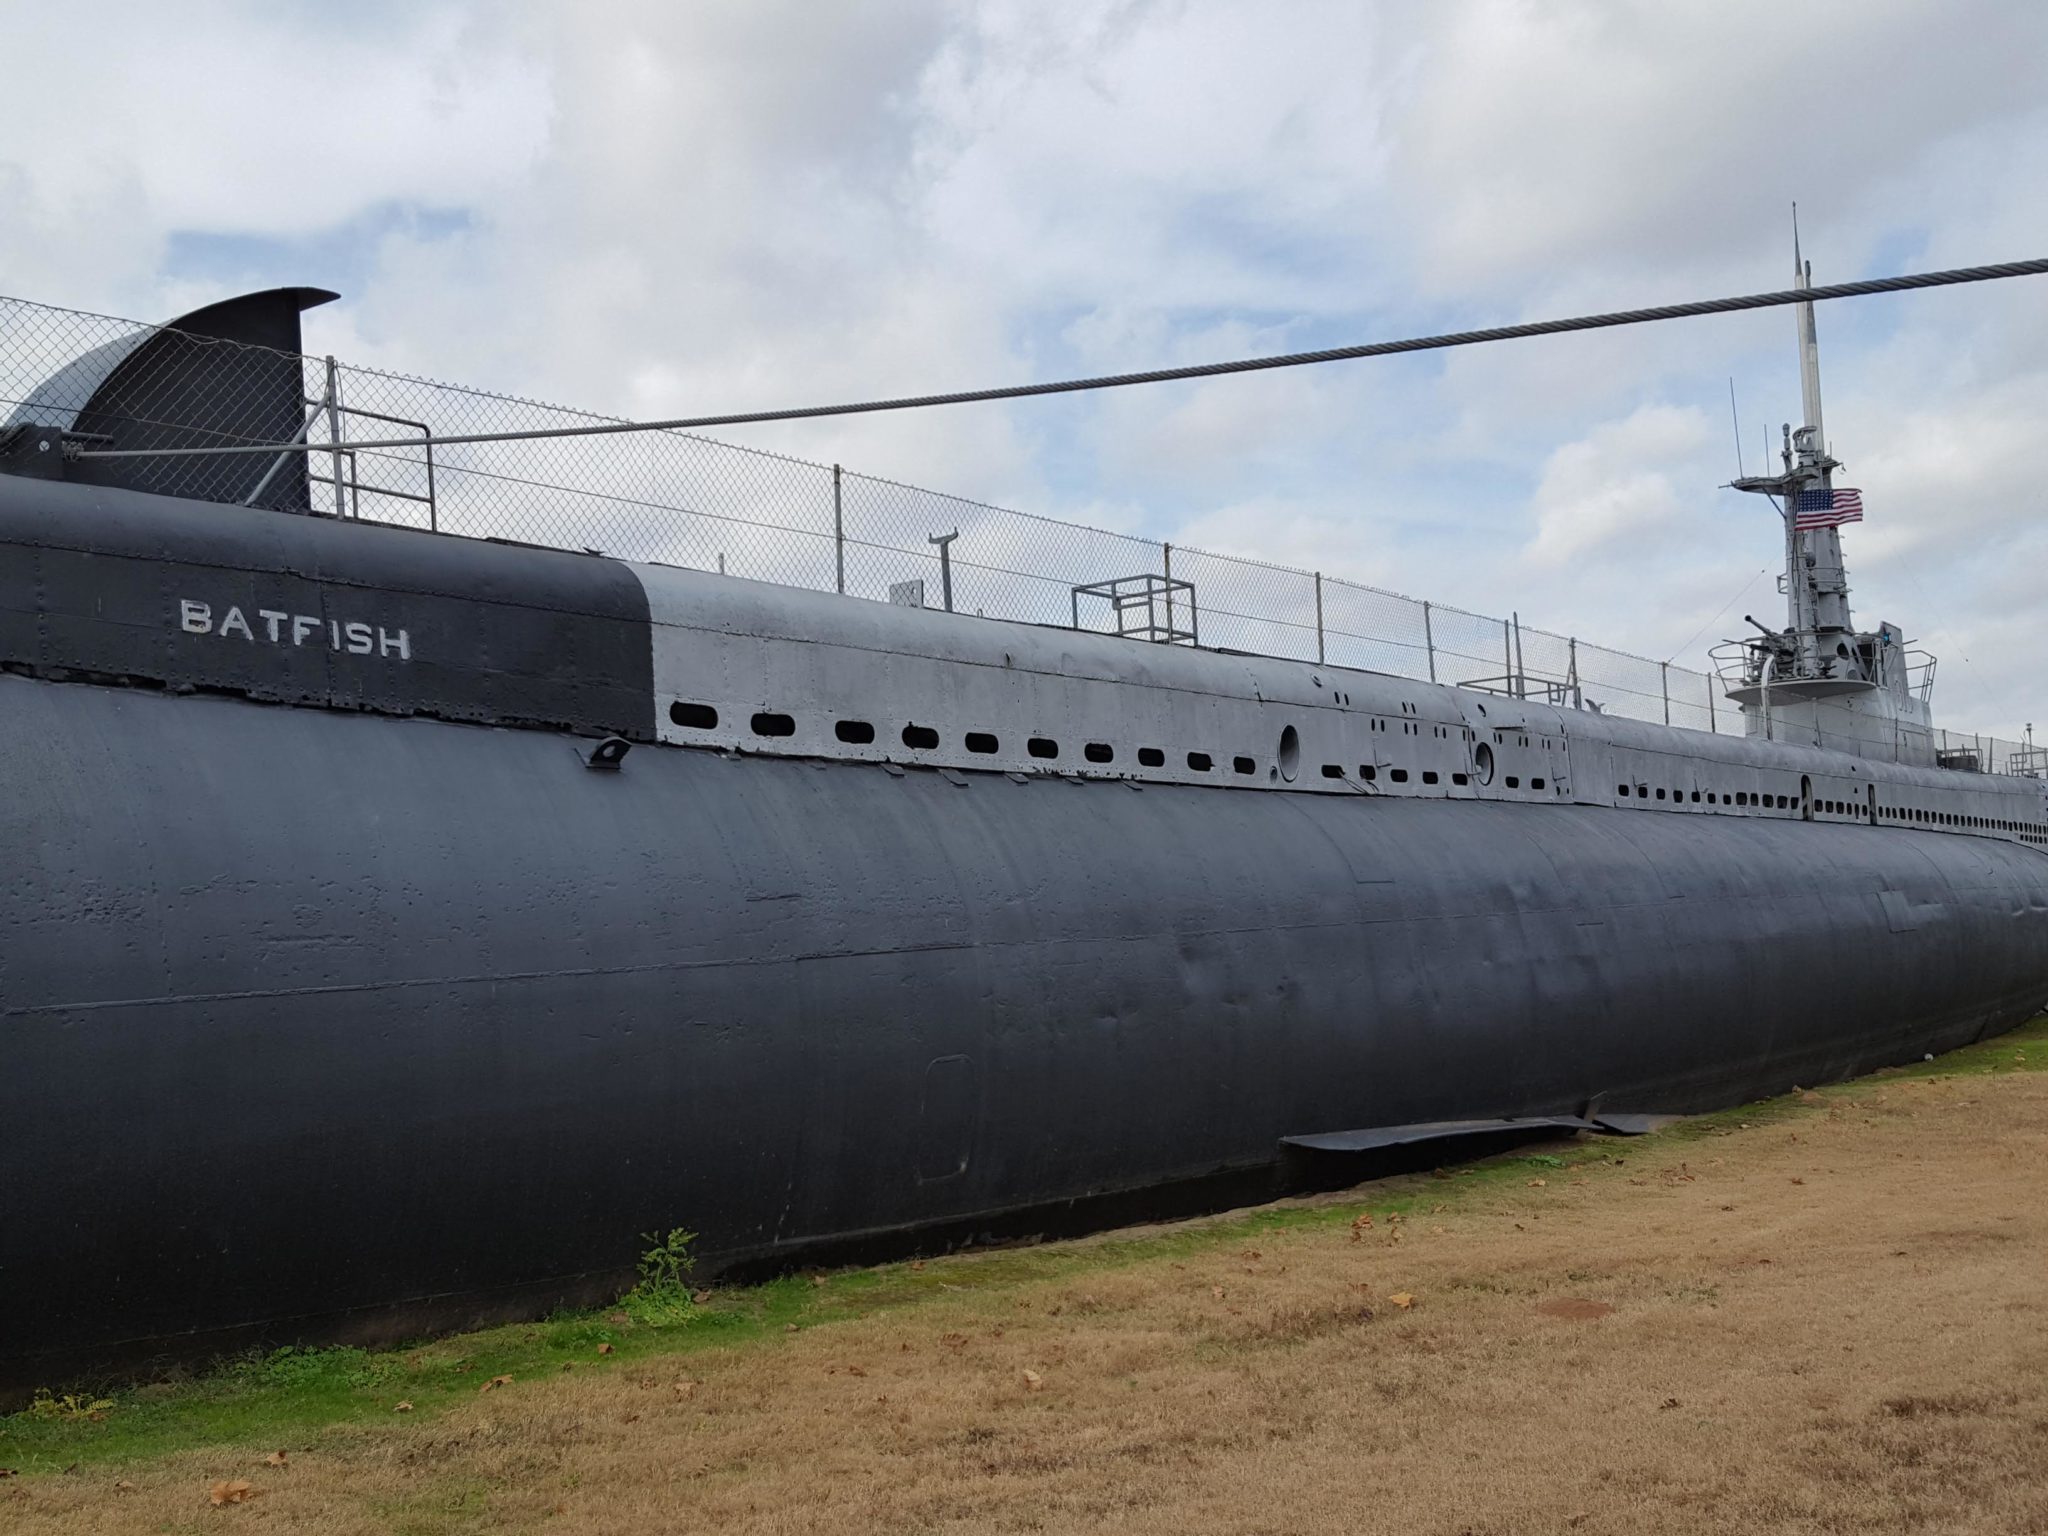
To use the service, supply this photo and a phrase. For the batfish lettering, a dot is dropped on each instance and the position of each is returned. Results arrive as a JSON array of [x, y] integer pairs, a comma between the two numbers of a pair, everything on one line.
[[352, 637]]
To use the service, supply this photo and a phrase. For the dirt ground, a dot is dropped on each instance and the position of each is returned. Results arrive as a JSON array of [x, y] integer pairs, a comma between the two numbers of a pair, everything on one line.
[[1835, 1321]]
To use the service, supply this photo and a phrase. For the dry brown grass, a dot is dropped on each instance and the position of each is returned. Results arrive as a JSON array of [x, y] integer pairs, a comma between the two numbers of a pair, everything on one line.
[[1834, 1323]]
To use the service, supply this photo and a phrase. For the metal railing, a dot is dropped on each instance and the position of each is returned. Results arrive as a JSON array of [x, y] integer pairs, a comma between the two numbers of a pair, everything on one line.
[[687, 500]]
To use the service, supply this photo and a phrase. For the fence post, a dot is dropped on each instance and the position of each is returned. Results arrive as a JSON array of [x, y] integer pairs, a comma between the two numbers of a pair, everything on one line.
[[1664, 682], [1507, 649], [1429, 641], [1521, 661], [838, 536], [1571, 650], [334, 431], [1166, 555], [1713, 721], [1319, 618]]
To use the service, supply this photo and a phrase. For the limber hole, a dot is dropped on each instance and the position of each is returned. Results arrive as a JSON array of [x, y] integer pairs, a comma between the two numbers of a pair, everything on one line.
[[1244, 765], [768, 723], [697, 717], [1151, 757], [920, 737], [855, 733], [981, 741], [1099, 752], [1042, 746]]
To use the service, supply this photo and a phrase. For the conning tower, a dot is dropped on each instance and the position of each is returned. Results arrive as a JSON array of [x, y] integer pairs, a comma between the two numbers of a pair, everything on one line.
[[1819, 681]]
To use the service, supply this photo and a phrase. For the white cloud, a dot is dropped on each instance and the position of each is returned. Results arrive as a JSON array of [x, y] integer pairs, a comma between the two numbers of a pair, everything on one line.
[[1610, 493]]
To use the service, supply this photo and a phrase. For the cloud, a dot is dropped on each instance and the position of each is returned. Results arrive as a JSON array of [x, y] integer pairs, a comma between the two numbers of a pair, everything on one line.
[[1609, 493]]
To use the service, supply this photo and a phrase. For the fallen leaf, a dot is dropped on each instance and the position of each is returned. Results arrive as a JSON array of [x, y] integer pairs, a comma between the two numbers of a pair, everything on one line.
[[1669, 1402], [607, 1349], [275, 1459], [236, 1491], [402, 1408], [916, 1265], [817, 1279], [124, 1486], [1361, 1226], [8, 1472], [1402, 1300], [854, 1370], [1538, 1183], [1033, 1381], [1216, 1291], [953, 1340], [617, 1319], [1799, 1181], [629, 1418], [789, 1328], [494, 1383], [700, 1297], [1253, 1254]]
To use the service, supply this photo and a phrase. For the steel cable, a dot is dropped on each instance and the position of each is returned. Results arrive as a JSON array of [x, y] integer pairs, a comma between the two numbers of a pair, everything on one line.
[[1166, 375]]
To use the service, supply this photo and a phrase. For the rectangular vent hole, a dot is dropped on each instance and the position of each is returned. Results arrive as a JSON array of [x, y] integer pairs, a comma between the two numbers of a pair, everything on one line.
[[1042, 746], [698, 717], [768, 723], [921, 737], [981, 741], [855, 733], [1200, 762], [1151, 757], [1099, 752]]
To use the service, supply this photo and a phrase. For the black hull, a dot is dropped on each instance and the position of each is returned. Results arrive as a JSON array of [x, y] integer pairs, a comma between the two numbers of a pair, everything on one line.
[[315, 1023]]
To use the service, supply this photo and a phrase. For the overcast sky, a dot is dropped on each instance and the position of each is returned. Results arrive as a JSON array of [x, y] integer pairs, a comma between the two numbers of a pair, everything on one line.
[[665, 207]]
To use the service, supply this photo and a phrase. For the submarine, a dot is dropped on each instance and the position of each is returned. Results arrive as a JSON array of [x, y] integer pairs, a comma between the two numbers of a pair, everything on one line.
[[399, 925]]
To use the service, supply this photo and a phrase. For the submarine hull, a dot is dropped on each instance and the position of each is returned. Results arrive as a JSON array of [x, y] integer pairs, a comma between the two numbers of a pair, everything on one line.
[[317, 1023]]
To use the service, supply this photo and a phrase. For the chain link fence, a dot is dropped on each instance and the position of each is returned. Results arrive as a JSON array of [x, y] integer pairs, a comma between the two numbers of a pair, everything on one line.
[[686, 500]]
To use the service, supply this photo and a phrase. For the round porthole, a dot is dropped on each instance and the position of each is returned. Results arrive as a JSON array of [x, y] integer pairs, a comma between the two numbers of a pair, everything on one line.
[[1290, 753], [1482, 763]]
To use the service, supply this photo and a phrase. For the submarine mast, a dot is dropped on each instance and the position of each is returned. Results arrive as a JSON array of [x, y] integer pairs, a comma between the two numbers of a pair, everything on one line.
[[1818, 680]]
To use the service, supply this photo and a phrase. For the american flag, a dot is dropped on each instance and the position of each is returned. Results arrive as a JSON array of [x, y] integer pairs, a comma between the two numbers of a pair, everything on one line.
[[1826, 509]]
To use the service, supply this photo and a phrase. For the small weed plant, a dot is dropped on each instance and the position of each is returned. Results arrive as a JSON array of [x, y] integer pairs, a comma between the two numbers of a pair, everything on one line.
[[71, 1408], [665, 1294]]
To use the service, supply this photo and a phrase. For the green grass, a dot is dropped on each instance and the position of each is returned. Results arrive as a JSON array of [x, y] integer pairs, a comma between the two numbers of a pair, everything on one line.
[[291, 1397]]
